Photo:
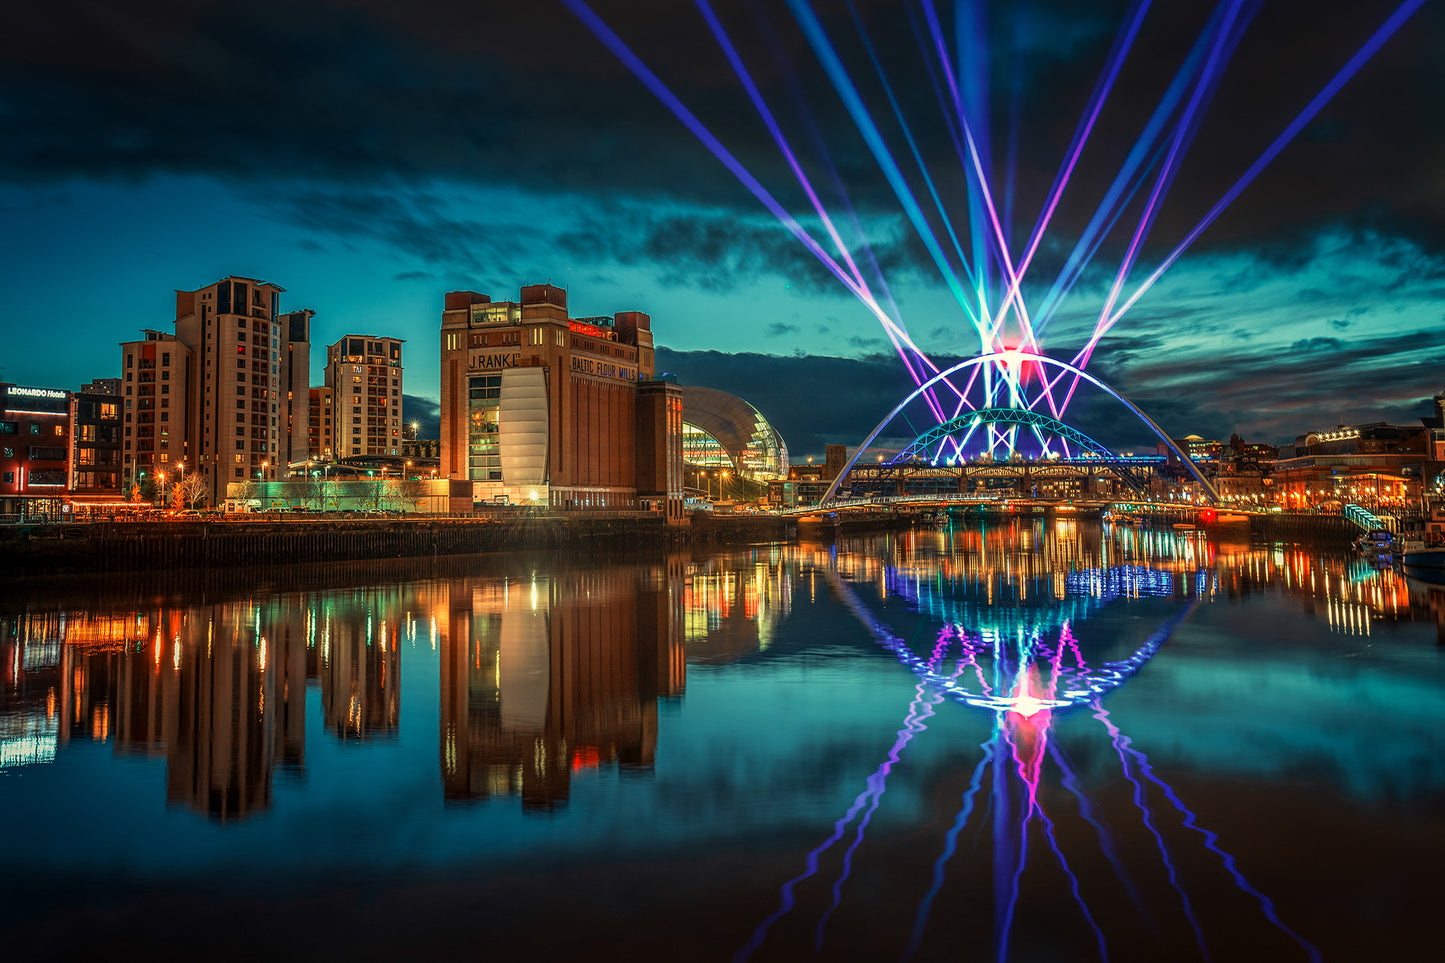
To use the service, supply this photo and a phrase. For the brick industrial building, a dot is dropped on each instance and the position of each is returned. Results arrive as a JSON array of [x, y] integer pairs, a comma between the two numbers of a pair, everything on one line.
[[541, 408]]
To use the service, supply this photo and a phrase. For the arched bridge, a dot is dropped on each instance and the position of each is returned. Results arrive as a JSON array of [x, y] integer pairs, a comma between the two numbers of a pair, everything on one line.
[[1035, 421], [969, 422]]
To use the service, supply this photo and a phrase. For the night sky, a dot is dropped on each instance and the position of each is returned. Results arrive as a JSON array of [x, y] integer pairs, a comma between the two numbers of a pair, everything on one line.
[[370, 156]]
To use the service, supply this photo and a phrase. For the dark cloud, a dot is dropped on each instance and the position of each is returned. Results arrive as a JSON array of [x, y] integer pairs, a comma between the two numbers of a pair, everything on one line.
[[715, 251], [416, 223], [425, 411], [1316, 344], [778, 329], [522, 95], [1276, 395]]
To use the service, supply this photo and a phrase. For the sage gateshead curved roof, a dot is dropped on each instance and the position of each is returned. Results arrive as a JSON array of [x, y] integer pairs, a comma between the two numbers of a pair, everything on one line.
[[724, 431]]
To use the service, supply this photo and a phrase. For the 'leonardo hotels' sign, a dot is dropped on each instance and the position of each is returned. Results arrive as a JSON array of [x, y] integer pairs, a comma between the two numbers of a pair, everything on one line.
[[48, 393]]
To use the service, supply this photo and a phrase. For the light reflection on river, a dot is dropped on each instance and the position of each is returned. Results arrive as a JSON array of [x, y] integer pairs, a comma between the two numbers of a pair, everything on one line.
[[1038, 740]]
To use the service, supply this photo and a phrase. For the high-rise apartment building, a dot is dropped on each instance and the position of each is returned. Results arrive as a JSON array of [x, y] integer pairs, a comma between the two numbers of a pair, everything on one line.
[[321, 445], [364, 375], [155, 385], [218, 394], [296, 387]]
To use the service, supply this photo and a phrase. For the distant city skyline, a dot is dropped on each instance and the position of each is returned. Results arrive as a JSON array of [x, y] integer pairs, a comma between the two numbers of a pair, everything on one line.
[[375, 159]]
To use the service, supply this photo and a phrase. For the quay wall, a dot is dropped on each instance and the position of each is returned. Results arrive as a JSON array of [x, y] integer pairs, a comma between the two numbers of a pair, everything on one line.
[[109, 547], [285, 540], [133, 546]]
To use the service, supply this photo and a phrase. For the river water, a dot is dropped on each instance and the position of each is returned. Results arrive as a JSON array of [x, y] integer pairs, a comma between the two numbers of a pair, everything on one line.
[[1038, 741]]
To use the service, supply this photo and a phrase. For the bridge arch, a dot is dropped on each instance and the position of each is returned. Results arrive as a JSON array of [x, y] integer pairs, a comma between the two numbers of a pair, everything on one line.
[[1024, 417], [1015, 357]]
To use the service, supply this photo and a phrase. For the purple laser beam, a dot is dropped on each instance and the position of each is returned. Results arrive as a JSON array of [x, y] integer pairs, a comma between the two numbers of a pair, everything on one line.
[[1346, 73]]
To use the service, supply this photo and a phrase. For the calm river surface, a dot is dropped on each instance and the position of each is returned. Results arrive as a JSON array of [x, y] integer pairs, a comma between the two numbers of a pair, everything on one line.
[[1038, 741]]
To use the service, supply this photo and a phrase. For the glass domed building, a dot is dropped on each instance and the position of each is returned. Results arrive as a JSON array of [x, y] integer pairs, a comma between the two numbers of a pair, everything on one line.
[[720, 430]]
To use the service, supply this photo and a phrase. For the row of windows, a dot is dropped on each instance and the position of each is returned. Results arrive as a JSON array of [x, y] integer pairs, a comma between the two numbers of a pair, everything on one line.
[[13, 428], [40, 454]]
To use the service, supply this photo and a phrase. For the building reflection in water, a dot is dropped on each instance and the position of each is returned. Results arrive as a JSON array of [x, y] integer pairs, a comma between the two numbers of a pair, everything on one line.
[[217, 693], [733, 604], [549, 675], [539, 677], [360, 665]]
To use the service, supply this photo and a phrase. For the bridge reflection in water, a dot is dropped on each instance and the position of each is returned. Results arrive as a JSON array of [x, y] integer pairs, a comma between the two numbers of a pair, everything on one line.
[[1009, 649]]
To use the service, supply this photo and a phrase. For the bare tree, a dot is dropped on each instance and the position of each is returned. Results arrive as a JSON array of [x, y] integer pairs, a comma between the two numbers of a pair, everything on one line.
[[409, 493], [192, 489], [311, 490], [248, 491]]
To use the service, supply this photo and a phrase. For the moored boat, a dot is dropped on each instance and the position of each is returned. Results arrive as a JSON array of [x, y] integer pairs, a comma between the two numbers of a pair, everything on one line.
[[1423, 558], [1231, 518], [1377, 542]]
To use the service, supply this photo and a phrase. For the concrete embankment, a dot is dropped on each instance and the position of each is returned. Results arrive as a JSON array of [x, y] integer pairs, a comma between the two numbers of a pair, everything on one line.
[[136, 546]]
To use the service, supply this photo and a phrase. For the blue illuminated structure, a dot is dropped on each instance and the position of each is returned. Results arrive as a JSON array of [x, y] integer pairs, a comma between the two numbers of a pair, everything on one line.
[[1018, 360], [923, 447]]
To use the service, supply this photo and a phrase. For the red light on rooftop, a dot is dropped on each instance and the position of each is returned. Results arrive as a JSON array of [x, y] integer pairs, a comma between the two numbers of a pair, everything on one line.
[[588, 329]]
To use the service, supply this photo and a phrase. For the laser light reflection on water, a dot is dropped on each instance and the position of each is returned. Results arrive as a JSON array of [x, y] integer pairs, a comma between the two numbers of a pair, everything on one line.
[[1023, 674]]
